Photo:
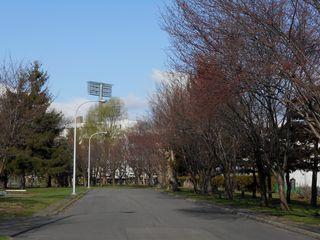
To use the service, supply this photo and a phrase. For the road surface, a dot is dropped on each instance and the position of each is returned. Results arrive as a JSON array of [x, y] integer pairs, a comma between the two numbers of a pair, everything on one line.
[[138, 214]]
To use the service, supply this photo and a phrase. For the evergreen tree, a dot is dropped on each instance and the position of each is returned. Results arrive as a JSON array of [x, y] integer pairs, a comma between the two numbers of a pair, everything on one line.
[[60, 165], [30, 127]]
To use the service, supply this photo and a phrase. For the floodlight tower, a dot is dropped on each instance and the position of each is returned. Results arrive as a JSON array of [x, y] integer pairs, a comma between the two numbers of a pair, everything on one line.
[[102, 90], [99, 89]]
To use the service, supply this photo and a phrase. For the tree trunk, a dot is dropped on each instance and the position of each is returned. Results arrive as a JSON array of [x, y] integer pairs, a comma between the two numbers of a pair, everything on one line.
[[254, 187], [172, 173], [269, 183], [114, 178], [85, 181], [288, 187], [204, 184], [209, 187], [104, 181], [65, 180], [3, 181], [229, 186], [282, 197], [22, 180], [136, 179], [93, 179], [69, 180], [262, 179], [58, 178], [6, 180], [314, 189], [148, 181], [49, 178], [195, 184]]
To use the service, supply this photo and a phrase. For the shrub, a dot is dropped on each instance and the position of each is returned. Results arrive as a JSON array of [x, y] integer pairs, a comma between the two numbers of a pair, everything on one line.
[[303, 192], [244, 182], [217, 182]]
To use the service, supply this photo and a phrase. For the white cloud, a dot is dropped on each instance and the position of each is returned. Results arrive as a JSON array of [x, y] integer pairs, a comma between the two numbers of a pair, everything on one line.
[[133, 102], [160, 76], [69, 108], [164, 76]]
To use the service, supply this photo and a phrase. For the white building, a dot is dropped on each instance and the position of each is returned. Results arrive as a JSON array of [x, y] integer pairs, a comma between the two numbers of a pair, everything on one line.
[[122, 124], [126, 123], [303, 178]]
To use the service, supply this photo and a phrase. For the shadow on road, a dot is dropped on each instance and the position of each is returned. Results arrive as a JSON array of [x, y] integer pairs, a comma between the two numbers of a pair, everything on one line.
[[17, 226]]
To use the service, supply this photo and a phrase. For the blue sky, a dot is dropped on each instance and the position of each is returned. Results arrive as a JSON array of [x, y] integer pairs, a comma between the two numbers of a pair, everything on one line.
[[114, 41]]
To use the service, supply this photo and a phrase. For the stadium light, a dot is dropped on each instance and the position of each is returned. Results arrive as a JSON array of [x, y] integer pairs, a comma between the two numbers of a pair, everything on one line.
[[99, 89]]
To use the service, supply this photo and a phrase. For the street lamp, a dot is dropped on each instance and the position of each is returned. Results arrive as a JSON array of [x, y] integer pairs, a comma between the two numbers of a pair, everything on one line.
[[96, 89], [89, 154]]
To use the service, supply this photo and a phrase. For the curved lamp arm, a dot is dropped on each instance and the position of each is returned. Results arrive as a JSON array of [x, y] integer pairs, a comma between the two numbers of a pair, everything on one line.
[[89, 154], [75, 143]]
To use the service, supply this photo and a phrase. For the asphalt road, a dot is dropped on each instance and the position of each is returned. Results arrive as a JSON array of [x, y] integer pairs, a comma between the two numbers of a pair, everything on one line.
[[146, 214]]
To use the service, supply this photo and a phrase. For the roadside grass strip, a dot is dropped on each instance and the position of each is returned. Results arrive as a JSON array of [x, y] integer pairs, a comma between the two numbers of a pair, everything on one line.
[[301, 212], [32, 201], [4, 238]]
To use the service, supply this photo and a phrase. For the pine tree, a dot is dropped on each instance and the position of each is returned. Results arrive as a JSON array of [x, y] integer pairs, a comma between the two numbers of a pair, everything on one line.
[[30, 127]]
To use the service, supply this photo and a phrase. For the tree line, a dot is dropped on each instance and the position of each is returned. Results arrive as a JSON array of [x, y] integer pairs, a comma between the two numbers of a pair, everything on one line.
[[119, 154], [37, 141], [243, 94]]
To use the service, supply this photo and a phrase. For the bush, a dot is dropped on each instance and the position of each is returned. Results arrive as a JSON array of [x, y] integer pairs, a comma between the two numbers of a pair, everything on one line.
[[242, 182], [182, 179], [303, 192], [217, 182]]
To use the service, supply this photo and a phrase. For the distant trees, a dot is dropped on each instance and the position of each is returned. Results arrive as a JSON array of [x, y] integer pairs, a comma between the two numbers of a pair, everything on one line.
[[122, 155], [104, 117], [107, 153], [143, 153]]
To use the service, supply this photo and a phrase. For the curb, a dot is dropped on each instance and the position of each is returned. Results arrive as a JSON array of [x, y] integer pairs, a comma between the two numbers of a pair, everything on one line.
[[55, 212], [271, 222], [256, 218], [70, 202]]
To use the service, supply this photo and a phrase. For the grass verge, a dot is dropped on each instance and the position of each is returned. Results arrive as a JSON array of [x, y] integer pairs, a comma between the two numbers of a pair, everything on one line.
[[34, 200], [4, 238], [300, 212]]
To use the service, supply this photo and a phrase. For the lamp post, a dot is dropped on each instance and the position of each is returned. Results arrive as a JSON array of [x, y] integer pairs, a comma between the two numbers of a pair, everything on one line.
[[96, 89], [89, 154], [75, 144]]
